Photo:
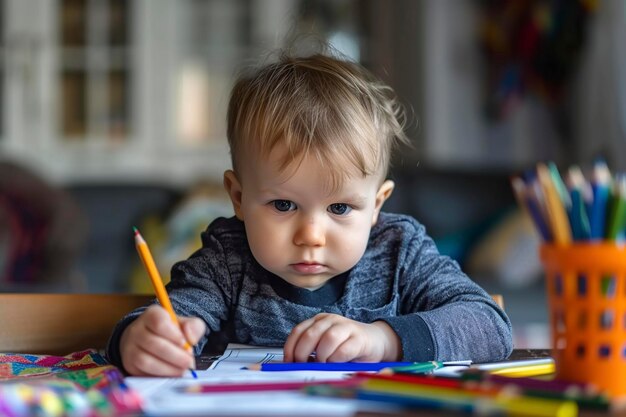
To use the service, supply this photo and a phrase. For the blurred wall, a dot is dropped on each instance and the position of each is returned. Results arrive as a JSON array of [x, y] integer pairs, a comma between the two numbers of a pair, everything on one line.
[[126, 112]]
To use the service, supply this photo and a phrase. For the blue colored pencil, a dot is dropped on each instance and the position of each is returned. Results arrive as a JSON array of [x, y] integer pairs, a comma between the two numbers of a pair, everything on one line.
[[580, 195], [327, 366], [601, 186], [532, 207]]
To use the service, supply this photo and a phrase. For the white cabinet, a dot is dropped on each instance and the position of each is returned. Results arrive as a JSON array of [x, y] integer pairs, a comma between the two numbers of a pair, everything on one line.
[[131, 91], [136, 90]]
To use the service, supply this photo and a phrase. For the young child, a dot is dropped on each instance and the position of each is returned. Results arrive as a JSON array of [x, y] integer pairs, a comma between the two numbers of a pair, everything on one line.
[[309, 261]]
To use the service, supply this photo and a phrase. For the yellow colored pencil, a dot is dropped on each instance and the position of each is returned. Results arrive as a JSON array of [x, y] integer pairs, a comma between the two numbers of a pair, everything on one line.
[[157, 282], [526, 370], [502, 403], [562, 233]]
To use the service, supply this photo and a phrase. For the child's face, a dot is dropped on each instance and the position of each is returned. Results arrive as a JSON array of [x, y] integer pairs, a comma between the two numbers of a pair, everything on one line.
[[296, 228]]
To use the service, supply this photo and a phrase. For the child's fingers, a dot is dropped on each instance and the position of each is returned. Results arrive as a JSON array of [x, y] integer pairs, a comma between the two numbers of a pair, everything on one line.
[[292, 339], [157, 320], [154, 345], [304, 338], [165, 350], [346, 351], [193, 329], [144, 363], [145, 353], [333, 337]]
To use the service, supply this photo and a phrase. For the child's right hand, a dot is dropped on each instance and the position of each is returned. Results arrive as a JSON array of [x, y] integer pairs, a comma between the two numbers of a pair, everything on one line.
[[153, 345]]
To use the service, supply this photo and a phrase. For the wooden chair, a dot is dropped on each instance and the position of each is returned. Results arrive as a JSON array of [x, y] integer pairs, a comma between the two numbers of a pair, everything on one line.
[[58, 324], [499, 299]]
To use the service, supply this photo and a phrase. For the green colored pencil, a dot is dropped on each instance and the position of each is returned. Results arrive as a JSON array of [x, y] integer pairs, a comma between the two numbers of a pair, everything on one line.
[[617, 215], [415, 368]]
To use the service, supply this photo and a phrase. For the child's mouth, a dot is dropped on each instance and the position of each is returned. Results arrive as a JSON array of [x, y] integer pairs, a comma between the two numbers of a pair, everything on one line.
[[308, 268]]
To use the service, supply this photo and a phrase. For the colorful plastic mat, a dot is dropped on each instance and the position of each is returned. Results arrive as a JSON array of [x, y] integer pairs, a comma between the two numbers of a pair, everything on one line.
[[79, 384]]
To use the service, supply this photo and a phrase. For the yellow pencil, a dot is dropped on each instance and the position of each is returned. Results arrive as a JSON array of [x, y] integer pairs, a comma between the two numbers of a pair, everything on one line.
[[526, 370], [556, 211], [157, 282]]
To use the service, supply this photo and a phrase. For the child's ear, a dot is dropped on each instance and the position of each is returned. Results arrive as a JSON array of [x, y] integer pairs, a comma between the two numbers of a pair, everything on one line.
[[233, 188], [384, 192]]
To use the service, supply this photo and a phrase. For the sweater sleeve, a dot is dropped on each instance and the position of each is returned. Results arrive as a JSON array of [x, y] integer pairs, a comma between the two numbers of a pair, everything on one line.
[[200, 287], [444, 314]]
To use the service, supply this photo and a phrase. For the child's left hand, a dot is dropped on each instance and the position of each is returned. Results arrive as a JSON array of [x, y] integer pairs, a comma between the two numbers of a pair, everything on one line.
[[335, 338]]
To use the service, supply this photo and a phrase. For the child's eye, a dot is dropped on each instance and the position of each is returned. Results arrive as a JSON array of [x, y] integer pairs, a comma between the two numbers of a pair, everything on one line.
[[284, 205], [339, 208]]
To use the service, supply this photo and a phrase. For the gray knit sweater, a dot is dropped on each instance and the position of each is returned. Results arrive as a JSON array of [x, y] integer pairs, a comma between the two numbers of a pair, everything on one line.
[[437, 311]]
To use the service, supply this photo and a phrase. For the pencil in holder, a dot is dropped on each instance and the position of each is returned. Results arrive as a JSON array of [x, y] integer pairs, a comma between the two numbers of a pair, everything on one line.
[[586, 287]]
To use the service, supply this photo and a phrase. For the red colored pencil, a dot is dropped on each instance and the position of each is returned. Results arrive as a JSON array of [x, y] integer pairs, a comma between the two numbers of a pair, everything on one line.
[[268, 386], [437, 381]]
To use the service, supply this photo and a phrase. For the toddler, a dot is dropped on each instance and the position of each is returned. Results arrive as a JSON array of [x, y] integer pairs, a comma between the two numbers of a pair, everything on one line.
[[309, 261]]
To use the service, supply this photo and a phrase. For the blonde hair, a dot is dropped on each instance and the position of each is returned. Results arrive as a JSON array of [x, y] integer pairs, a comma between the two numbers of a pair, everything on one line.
[[316, 105]]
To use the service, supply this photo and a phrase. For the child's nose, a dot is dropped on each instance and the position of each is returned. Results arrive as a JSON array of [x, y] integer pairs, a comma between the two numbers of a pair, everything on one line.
[[310, 233]]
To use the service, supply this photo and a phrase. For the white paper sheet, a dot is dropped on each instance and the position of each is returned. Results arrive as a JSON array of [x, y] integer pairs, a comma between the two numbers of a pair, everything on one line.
[[237, 356], [163, 396]]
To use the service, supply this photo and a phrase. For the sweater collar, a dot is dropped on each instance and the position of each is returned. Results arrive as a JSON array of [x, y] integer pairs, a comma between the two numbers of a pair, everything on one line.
[[327, 294]]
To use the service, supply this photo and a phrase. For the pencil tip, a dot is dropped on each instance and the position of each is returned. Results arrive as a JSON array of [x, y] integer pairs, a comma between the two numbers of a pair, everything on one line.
[[135, 230], [386, 371]]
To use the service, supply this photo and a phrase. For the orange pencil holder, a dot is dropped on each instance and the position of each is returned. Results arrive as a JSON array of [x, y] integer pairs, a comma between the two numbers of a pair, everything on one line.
[[586, 287]]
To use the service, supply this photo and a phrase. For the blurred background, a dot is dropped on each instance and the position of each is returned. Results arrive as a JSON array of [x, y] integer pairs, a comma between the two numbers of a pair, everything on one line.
[[113, 116]]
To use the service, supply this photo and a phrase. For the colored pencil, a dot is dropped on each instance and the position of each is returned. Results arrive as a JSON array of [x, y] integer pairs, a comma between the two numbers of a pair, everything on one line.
[[601, 186], [502, 404], [526, 371], [452, 399], [581, 195], [267, 386], [326, 366], [488, 384], [585, 395], [414, 368], [157, 282], [556, 211], [559, 185], [518, 363], [531, 207], [617, 214], [428, 380]]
